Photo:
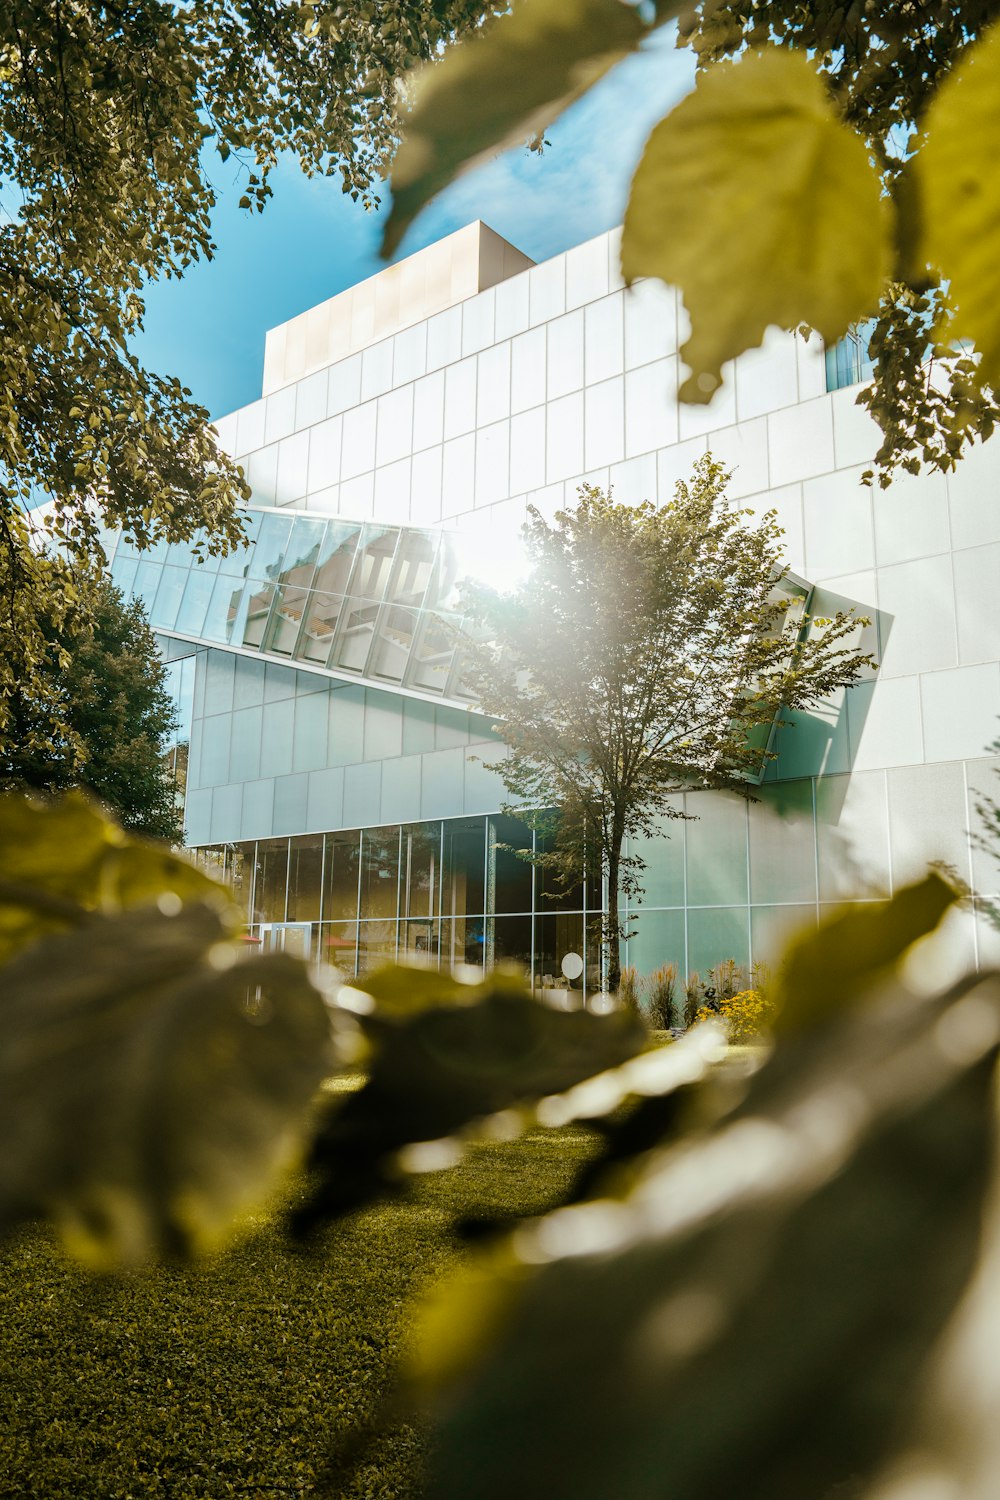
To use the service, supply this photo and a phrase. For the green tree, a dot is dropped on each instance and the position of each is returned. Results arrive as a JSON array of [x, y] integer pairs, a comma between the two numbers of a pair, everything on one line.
[[835, 163], [103, 718], [647, 652], [115, 119]]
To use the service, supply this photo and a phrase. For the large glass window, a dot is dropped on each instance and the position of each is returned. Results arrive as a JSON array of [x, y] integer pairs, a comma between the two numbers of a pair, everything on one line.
[[305, 878], [420, 871], [376, 944], [373, 565], [270, 880], [340, 884], [379, 873], [395, 639], [321, 615], [509, 876], [434, 653], [463, 889]]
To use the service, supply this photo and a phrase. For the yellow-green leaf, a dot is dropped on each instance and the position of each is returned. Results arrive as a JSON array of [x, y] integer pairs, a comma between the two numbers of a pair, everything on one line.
[[154, 1080], [763, 207], [837, 966], [62, 858], [956, 172], [495, 89]]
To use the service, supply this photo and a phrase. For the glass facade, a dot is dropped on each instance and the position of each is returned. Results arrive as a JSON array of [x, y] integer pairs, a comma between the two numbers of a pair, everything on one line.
[[356, 599], [848, 362]]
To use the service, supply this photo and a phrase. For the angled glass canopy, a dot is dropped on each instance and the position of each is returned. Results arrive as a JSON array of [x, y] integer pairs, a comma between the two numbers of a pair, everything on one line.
[[355, 599]]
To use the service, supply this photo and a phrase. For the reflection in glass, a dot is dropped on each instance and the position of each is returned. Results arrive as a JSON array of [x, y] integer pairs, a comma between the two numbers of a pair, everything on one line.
[[336, 557], [305, 878], [420, 870], [508, 941], [432, 659], [145, 583], [463, 888], [340, 880], [272, 540], [552, 894], [338, 945], [282, 632], [395, 638], [413, 567], [168, 597], [373, 564], [355, 640], [557, 936], [270, 880], [123, 572], [235, 564], [509, 877], [321, 614], [376, 944], [239, 871], [379, 872], [420, 941], [194, 605], [223, 609], [259, 597]]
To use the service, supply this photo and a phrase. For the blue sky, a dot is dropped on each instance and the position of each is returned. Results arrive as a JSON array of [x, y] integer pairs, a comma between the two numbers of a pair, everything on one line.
[[312, 241]]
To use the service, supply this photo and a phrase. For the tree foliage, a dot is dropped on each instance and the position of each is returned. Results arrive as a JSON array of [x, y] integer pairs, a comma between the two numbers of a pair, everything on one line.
[[97, 713], [115, 120], [648, 651], [834, 163]]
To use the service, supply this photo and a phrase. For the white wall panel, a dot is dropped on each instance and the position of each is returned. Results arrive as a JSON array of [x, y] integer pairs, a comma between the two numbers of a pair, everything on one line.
[[604, 338], [801, 441], [527, 370], [961, 711], [564, 437], [921, 597], [604, 423]]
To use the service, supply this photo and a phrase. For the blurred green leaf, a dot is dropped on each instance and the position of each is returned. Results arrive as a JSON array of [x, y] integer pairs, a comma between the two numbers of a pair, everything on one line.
[[63, 858], [835, 966], [756, 200], [495, 90], [754, 1315], [436, 1068], [152, 1084]]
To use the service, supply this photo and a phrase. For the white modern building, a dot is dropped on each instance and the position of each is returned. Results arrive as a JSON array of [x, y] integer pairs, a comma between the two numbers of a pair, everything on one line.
[[412, 420]]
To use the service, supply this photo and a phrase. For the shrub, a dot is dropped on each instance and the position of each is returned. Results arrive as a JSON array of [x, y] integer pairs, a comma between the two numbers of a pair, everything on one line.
[[628, 991], [660, 1002], [745, 1015], [693, 995]]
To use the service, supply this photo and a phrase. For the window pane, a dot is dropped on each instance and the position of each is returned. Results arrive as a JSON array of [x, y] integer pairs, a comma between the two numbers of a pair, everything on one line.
[[509, 876], [146, 582], [413, 567], [239, 871], [395, 640], [420, 941], [336, 557], [420, 870], [270, 881], [168, 596], [376, 944], [433, 654], [286, 618], [305, 877], [379, 872], [373, 565], [194, 605], [259, 597], [463, 887], [463, 941], [321, 613], [508, 941], [340, 893], [338, 944], [552, 895], [236, 563], [356, 637], [275, 531], [559, 936]]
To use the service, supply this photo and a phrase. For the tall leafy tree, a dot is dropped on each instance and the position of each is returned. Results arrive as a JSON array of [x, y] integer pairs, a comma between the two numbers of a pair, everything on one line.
[[103, 717], [647, 651], [115, 118]]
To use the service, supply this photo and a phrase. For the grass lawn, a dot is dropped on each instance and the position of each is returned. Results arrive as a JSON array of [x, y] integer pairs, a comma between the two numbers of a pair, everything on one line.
[[245, 1375]]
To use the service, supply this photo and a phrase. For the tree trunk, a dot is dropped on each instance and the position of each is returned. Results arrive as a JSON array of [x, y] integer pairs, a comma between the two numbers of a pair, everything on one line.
[[612, 928]]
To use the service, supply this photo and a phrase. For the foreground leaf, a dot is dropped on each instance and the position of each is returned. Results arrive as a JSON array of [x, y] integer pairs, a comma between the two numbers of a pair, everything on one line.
[[755, 200], [956, 173], [824, 971], [63, 858], [152, 1085], [503, 87], [754, 1314], [436, 1068]]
